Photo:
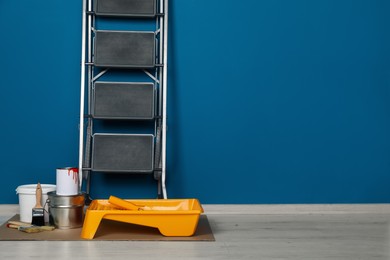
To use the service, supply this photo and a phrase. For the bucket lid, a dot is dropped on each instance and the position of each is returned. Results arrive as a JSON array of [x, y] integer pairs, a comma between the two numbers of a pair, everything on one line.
[[31, 188]]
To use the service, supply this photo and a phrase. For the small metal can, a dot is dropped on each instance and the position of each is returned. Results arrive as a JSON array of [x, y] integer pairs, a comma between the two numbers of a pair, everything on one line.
[[67, 180]]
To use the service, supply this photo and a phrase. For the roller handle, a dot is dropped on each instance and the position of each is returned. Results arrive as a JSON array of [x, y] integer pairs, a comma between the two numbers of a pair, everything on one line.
[[123, 204], [38, 196]]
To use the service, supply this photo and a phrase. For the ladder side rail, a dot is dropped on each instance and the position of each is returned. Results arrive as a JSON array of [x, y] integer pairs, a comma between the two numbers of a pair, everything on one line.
[[164, 9], [91, 25], [82, 92], [157, 122]]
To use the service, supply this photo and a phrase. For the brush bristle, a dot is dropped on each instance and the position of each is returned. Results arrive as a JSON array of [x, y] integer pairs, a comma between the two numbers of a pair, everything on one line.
[[30, 229], [38, 218]]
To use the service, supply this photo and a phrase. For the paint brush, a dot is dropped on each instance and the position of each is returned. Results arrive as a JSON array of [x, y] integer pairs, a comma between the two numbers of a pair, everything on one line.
[[31, 228], [37, 212]]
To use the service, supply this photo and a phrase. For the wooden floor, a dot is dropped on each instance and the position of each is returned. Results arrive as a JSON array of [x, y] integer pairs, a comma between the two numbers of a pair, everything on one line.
[[251, 234]]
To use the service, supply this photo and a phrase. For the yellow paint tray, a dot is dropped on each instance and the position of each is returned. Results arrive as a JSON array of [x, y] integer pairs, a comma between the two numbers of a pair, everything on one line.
[[172, 217]]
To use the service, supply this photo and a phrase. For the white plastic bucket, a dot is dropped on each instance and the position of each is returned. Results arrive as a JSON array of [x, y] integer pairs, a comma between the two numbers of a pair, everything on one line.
[[27, 200]]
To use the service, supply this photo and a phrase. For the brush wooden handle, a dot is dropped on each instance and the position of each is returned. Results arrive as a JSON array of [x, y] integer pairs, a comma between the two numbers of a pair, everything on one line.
[[18, 223], [13, 226], [38, 196]]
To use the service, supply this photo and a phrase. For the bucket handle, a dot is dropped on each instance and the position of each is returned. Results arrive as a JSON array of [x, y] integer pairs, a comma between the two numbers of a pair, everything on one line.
[[44, 206]]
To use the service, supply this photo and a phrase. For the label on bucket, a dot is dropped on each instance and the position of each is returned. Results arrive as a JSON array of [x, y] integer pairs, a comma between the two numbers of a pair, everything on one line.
[[67, 181]]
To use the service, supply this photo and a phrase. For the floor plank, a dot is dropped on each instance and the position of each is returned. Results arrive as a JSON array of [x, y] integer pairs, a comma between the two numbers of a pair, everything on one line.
[[250, 236]]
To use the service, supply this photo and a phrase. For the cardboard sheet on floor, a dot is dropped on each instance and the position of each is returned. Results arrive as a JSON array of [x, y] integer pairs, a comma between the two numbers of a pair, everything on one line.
[[108, 230]]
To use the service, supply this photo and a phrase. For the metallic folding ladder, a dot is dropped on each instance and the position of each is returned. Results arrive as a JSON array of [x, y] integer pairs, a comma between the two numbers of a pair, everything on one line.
[[104, 52]]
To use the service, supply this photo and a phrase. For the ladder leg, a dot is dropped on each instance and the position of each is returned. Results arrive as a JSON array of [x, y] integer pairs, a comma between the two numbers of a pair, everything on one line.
[[165, 86]]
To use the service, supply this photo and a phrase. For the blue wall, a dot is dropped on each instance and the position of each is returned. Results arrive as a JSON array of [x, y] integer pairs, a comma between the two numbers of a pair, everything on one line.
[[270, 101]]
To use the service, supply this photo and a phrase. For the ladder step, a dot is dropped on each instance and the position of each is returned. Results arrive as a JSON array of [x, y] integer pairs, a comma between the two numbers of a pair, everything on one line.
[[124, 100], [124, 49], [125, 8], [127, 153]]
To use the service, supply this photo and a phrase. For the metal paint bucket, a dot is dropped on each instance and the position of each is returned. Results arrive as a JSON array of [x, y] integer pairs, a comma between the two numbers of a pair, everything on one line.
[[66, 212]]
